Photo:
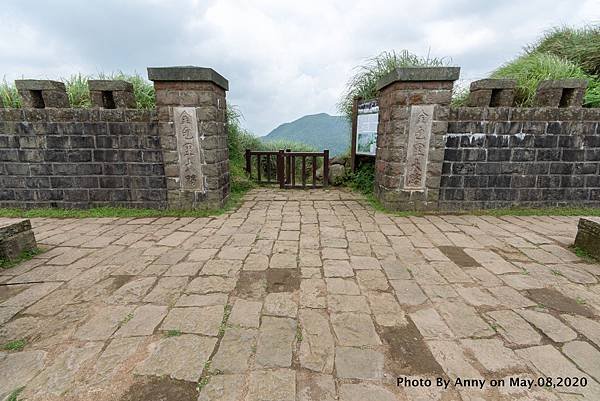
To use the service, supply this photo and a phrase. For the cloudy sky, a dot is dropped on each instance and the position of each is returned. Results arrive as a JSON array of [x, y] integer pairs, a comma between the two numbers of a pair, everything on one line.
[[283, 59]]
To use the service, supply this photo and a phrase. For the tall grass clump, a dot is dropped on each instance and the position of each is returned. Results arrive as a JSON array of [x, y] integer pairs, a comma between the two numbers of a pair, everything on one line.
[[143, 90], [580, 46], [9, 95], [77, 90], [364, 81], [530, 69]]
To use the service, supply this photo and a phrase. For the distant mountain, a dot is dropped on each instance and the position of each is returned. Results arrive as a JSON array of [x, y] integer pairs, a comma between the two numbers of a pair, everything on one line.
[[320, 130]]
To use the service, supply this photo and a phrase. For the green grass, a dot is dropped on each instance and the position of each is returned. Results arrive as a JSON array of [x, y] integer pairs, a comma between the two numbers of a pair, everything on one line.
[[78, 91], [14, 345], [364, 81], [583, 254], [173, 333], [24, 256], [578, 45], [529, 69], [14, 396], [223, 326]]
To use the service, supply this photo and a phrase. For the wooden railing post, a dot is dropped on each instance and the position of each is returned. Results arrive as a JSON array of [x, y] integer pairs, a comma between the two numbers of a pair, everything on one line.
[[248, 162], [288, 173], [280, 169], [326, 167]]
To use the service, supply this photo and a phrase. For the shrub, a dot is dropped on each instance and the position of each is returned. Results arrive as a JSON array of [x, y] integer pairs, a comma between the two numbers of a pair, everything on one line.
[[363, 179], [364, 81], [77, 90], [580, 46], [9, 95], [530, 69]]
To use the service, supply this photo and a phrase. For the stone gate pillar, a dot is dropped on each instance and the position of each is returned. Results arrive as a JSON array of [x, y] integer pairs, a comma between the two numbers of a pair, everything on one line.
[[413, 119], [190, 102]]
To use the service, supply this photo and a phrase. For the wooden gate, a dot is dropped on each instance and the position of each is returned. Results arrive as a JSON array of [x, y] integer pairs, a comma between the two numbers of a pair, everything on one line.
[[289, 169]]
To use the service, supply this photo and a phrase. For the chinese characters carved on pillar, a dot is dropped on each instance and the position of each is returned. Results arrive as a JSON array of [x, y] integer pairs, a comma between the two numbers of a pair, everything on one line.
[[421, 118], [188, 148]]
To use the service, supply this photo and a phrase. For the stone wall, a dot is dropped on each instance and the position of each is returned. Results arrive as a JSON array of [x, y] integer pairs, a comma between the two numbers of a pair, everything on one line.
[[112, 154], [76, 158], [503, 156], [488, 155]]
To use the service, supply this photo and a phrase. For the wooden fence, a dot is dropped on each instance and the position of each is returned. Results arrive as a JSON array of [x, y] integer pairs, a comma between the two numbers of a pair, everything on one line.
[[289, 169]]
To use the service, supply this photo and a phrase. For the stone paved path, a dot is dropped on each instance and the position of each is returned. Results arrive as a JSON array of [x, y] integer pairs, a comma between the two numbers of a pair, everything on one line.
[[300, 296]]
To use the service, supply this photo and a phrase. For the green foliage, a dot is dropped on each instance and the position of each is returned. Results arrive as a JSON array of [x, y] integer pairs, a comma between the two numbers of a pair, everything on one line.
[[363, 179], [24, 256], [14, 345], [9, 95], [562, 52], [364, 81], [173, 333], [14, 396], [530, 69], [143, 90], [580, 46], [78, 92]]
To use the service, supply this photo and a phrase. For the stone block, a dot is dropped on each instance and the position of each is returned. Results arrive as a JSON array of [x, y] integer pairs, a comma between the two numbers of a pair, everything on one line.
[[39, 94], [566, 93], [492, 93], [588, 236], [16, 237], [187, 73], [419, 74], [111, 94]]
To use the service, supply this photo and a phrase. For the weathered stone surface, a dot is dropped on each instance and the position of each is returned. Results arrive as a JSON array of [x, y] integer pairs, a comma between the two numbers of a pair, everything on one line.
[[408, 292], [60, 375], [342, 286], [357, 363], [280, 304], [167, 290], [223, 388], [276, 337], [256, 262], [197, 320], [514, 328], [585, 356], [145, 319], [181, 357], [272, 385], [315, 387], [132, 291], [549, 325], [347, 303], [386, 309], [430, 324], [116, 353], [585, 326], [337, 268], [207, 285], [313, 293], [235, 350], [31, 295], [226, 268], [452, 359], [52, 304], [492, 354], [103, 323], [372, 280], [365, 392], [202, 300], [354, 329], [245, 313], [464, 320], [17, 369], [317, 346]]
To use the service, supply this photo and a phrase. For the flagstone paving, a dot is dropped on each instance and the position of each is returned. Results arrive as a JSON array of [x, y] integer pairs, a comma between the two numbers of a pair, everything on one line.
[[301, 295]]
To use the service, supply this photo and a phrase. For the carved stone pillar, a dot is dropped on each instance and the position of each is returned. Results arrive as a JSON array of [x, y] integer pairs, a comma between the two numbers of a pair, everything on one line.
[[190, 103], [413, 119]]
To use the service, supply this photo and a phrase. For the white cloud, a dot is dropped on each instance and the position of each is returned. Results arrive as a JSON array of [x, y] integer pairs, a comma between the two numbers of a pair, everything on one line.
[[283, 59]]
